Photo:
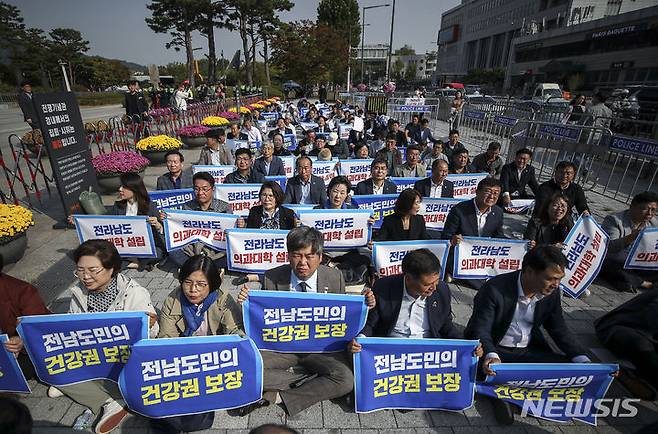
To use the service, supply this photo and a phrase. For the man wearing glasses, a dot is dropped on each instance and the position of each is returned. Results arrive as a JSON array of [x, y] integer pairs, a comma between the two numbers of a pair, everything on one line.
[[245, 174]]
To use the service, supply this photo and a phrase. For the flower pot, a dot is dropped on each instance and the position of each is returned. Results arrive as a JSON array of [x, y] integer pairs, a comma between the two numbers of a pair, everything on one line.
[[193, 142], [14, 250], [109, 184], [155, 157]]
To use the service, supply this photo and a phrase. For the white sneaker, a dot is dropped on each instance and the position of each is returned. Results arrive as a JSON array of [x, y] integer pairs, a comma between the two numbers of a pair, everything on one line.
[[54, 392], [114, 413]]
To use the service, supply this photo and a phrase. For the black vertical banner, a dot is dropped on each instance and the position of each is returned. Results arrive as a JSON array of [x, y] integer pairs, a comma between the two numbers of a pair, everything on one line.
[[64, 137]]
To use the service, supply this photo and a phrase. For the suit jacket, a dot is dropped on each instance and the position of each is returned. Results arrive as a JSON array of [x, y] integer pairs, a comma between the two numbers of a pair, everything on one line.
[[329, 279], [275, 131], [405, 171], [638, 313], [241, 136], [388, 295], [494, 308], [286, 218], [424, 187], [391, 229], [164, 181], [481, 164], [225, 156], [276, 167], [254, 178], [294, 190], [462, 220], [618, 226], [512, 182], [365, 187], [25, 103], [397, 159]]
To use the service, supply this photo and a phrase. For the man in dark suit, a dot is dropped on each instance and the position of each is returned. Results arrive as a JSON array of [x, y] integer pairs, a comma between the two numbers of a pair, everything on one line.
[[516, 176], [176, 177], [245, 173], [280, 129], [478, 217], [562, 183], [305, 187], [437, 185], [333, 374], [25, 103], [377, 183], [235, 133], [511, 310], [269, 164]]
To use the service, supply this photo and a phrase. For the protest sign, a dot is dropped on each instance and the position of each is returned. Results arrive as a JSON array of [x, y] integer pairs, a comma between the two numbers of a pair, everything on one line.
[[355, 170], [182, 227], [240, 197], [165, 199], [380, 205], [11, 376], [289, 165], [217, 172], [344, 131], [325, 170], [585, 249], [131, 235], [255, 250], [308, 125], [282, 180], [303, 322], [190, 375], [300, 206], [643, 255], [290, 141], [72, 348], [428, 374], [387, 256], [517, 206], [340, 228], [482, 258], [552, 391], [435, 211], [403, 183], [465, 185], [270, 116]]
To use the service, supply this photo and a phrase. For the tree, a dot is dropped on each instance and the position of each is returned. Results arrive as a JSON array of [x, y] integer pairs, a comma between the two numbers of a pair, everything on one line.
[[397, 69], [406, 50], [342, 16], [410, 72], [69, 46]]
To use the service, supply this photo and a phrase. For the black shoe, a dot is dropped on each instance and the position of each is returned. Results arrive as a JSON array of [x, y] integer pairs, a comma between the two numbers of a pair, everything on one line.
[[503, 412], [638, 387], [243, 411]]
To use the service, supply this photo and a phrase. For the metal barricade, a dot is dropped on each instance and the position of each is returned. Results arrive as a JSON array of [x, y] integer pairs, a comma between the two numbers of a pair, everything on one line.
[[24, 160]]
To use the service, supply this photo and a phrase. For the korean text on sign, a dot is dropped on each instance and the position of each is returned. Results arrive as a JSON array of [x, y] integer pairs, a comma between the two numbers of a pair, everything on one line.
[[165, 199], [481, 258], [465, 185], [355, 170], [585, 248], [414, 374], [643, 255], [435, 211], [131, 235], [340, 227], [387, 256], [240, 197], [182, 227], [255, 250]]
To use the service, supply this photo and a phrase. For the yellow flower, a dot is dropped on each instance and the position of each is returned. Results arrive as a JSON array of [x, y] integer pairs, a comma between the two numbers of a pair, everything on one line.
[[214, 121], [243, 110], [158, 143], [258, 106], [14, 220]]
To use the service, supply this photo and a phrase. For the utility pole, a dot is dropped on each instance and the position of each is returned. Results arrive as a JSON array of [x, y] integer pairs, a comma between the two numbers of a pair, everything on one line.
[[363, 29], [66, 77], [390, 45]]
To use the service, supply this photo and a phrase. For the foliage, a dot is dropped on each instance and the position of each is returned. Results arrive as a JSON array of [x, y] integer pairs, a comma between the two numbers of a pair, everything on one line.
[[99, 98], [68, 45], [14, 220], [410, 72], [405, 50], [158, 143], [214, 121], [397, 69], [342, 16], [195, 130], [116, 163], [494, 77]]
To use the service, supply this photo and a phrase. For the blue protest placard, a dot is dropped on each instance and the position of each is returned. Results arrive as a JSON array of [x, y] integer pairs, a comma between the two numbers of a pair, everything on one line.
[[552, 391], [403, 183], [341, 228], [165, 199], [72, 348], [380, 204], [179, 376], [303, 322], [282, 180], [11, 376], [414, 374]]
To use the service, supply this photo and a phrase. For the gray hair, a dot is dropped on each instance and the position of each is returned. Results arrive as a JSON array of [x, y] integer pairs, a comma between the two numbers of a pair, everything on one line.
[[304, 236]]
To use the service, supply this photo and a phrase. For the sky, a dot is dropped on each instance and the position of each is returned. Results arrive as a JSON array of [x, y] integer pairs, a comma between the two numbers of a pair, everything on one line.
[[116, 28]]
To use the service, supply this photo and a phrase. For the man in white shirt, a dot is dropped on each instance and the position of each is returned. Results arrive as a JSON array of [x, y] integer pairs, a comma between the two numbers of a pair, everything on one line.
[[253, 133]]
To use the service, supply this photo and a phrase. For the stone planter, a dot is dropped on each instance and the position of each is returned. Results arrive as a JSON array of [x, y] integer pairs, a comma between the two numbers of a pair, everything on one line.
[[109, 184], [193, 142], [155, 157], [14, 250]]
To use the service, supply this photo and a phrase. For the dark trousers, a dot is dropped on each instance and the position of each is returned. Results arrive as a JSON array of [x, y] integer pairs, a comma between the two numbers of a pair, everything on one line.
[[334, 378], [26, 366], [177, 424], [634, 345], [621, 279], [530, 354]]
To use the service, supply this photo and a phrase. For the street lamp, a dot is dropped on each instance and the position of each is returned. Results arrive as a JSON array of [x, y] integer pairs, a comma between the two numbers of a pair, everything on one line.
[[390, 45], [363, 30], [66, 77], [349, 61]]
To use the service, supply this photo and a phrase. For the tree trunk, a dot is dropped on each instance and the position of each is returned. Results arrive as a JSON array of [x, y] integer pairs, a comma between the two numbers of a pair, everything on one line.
[[245, 49], [252, 36], [212, 55], [190, 55], [266, 60]]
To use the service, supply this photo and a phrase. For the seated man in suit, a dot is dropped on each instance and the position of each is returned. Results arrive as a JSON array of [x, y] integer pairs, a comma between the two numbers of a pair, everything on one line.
[[269, 164], [216, 152], [334, 376], [305, 187], [377, 183], [516, 176], [437, 185], [245, 173], [281, 128], [562, 182], [280, 149], [176, 177], [478, 217], [412, 168], [510, 311], [391, 153], [623, 229], [460, 162], [490, 161], [235, 133]]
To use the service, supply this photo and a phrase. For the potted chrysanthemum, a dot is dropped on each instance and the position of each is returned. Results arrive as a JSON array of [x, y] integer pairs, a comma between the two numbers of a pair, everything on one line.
[[156, 147], [193, 136], [109, 168], [214, 122], [14, 223]]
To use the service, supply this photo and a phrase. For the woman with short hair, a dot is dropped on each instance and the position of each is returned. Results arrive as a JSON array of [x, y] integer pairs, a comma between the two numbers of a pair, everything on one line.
[[404, 223], [271, 214]]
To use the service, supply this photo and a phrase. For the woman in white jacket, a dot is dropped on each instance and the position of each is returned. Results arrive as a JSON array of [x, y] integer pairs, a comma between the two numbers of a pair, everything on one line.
[[101, 288]]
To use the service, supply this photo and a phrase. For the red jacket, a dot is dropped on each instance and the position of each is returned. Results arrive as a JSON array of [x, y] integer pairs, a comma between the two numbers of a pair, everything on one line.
[[17, 298]]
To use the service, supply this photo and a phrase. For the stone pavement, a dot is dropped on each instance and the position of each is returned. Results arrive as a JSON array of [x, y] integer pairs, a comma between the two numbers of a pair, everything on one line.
[[47, 266]]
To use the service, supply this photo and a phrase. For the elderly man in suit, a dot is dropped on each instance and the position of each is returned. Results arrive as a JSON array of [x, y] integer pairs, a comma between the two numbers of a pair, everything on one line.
[[176, 177], [332, 376], [478, 217], [437, 185], [412, 168], [305, 187], [511, 310], [216, 152], [269, 164], [516, 176], [25, 103], [377, 183]]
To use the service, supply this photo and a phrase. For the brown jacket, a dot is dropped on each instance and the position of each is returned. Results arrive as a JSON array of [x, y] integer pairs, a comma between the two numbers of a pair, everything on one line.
[[18, 298], [224, 316], [225, 156]]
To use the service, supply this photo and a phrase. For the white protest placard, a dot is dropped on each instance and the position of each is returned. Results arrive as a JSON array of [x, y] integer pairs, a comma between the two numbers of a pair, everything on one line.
[[517, 206], [585, 249], [643, 255], [387, 255], [217, 172], [355, 170], [131, 235], [482, 258], [299, 206], [435, 211], [234, 144], [289, 165], [341, 228], [182, 227], [466, 184], [344, 131], [325, 170], [240, 197], [255, 250], [403, 183]]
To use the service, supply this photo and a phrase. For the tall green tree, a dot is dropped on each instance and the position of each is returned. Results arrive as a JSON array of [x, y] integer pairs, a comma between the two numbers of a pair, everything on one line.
[[69, 46], [405, 50], [342, 16]]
